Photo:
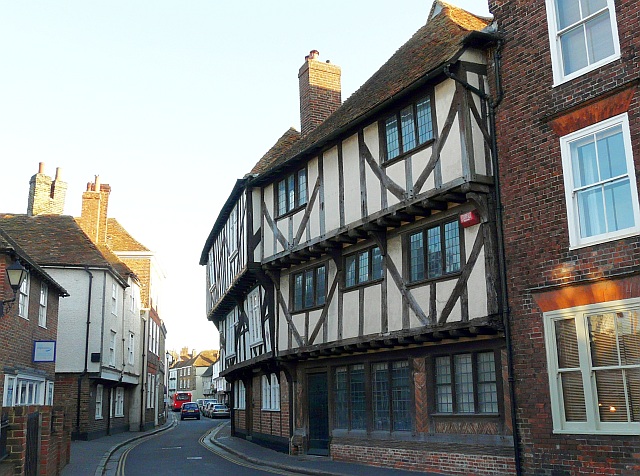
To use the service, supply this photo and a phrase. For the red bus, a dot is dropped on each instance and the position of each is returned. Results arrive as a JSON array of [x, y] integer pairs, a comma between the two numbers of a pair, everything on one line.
[[178, 399]]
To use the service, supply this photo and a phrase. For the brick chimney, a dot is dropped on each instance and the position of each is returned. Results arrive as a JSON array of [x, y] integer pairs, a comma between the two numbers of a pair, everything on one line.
[[320, 91], [46, 196], [95, 202]]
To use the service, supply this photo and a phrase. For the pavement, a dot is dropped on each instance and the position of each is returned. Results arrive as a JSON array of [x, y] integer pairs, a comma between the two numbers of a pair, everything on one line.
[[92, 458]]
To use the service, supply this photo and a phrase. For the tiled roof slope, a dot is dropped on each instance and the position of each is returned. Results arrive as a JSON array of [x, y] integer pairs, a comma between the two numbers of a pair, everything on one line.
[[54, 240], [281, 146], [119, 239], [8, 245], [432, 46]]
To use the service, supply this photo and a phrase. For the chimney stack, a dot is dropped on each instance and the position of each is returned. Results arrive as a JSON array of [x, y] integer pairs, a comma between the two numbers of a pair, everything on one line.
[[320, 91], [95, 203], [46, 196]]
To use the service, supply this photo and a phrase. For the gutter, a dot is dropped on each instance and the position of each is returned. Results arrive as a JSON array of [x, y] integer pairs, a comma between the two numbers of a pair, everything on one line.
[[86, 352], [504, 302]]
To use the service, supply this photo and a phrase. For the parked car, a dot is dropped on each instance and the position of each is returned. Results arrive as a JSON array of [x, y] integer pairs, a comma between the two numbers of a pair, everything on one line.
[[206, 410], [190, 410], [202, 403], [219, 410]]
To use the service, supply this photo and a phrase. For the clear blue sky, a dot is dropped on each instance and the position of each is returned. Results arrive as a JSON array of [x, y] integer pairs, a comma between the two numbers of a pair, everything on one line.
[[170, 102]]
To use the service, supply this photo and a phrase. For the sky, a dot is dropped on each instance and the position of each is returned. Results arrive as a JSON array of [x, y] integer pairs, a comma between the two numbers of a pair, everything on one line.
[[169, 102]]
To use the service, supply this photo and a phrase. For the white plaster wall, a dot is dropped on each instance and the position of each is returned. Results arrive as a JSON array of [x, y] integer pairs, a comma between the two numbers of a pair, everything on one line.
[[350, 308], [451, 154], [477, 283], [351, 166], [269, 238], [394, 297], [314, 317], [421, 294], [443, 291], [257, 220], [372, 309], [283, 225], [396, 172], [371, 140], [478, 138], [419, 161], [331, 190], [283, 327]]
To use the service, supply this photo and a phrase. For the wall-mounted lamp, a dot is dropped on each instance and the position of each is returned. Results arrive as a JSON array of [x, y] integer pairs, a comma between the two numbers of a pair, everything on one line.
[[16, 274]]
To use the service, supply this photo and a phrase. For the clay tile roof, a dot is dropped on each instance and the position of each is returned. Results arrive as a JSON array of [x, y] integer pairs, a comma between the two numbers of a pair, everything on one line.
[[119, 239], [431, 47], [54, 240], [281, 146]]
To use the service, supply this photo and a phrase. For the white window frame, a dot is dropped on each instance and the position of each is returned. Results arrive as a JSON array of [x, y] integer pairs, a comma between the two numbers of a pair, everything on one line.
[[119, 402], [240, 395], [232, 235], [275, 392], [22, 389], [112, 349], [50, 393], [592, 425], [132, 347], [42, 308], [556, 48], [254, 315], [23, 297], [230, 334], [99, 400], [114, 299], [575, 241], [266, 392]]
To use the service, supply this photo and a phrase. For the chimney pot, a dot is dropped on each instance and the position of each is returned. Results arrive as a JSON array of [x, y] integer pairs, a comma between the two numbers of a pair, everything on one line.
[[320, 91], [41, 168], [58, 173]]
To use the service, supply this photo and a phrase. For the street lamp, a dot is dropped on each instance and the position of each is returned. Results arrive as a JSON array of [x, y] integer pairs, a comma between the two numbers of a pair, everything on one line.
[[16, 274]]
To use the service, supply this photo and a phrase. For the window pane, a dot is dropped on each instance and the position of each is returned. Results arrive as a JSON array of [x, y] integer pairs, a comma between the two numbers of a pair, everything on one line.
[[452, 247], [291, 190], [444, 395], [282, 198], [320, 286], [341, 419], [401, 395], [599, 37], [434, 251], [464, 383], [602, 336], [619, 206], [568, 12], [425, 127], [633, 390], [302, 187], [376, 258], [391, 131], [297, 293], [574, 50], [612, 398], [350, 271], [308, 288], [487, 387], [591, 212], [358, 420], [380, 397], [567, 344], [408, 132], [612, 159], [363, 267], [584, 162], [416, 257], [573, 396], [628, 337], [591, 6]]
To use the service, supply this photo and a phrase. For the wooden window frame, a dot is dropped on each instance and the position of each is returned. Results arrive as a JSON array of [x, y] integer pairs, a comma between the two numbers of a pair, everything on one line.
[[316, 304], [370, 278], [297, 205], [425, 255]]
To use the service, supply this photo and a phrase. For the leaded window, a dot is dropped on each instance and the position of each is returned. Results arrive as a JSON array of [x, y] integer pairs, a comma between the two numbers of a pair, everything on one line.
[[309, 288], [363, 267], [434, 251], [291, 192], [408, 128]]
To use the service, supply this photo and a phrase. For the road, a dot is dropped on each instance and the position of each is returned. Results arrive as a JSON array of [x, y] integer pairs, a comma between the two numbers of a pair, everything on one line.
[[182, 450]]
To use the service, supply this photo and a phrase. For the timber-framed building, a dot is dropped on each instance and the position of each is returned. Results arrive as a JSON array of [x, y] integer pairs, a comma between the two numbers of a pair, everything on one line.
[[354, 273]]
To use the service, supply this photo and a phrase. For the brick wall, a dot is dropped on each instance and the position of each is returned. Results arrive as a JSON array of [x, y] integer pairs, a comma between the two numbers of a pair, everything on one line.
[[46, 196], [320, 91], [535, 222]]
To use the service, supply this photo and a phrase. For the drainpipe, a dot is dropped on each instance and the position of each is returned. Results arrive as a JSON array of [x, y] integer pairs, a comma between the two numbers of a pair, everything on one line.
[[144, 374], [86, 352], [504, 301]]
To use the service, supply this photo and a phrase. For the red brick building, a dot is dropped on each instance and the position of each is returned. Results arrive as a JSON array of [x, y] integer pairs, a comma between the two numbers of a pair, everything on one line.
[[568, 132]]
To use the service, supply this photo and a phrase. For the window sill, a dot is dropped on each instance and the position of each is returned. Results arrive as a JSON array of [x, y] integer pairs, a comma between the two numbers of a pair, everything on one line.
[[362, 285], [443, 277], [560, 80], [293, 211], [307, 309], [404, 155], [270, 410], [606, 239], [466, 415]]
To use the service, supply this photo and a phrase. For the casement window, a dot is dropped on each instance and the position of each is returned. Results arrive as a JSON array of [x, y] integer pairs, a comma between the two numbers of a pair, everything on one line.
[[212, 270], [255, 319], [149, 387], [119, 402], [240, 395], [42, 308], [20, 390], [99, 397], [407, 128], [132, 348], [434, 251], [593, 354], [112, 349], [600, 183], [309, 288], [232, 230], [363, 267], [466, 383], [132, 301], [23, 298], [583, 35], [230, 337], [389, 396], [270, 392], [114, 299], [291, 192]]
